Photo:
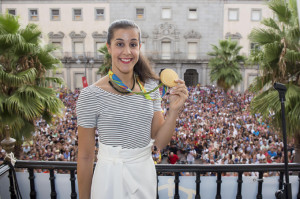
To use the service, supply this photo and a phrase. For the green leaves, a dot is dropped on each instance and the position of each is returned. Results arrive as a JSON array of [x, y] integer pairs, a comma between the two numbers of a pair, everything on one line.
[[104, 68], [9, 24], [279, 61], [14, 80], [225, 64], [24, 92]]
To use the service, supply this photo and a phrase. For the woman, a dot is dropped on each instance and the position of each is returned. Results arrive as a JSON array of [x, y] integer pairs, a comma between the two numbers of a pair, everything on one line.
[[128, 124]]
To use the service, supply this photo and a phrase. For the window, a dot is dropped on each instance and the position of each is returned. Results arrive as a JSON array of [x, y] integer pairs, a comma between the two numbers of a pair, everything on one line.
[[98, 46], [78, 49], [99, 14], [33, 15], [193, 13], [11, 11], [140, 13], [166, 13], [58, 52], [256, 14], [77, 14], [166, 50], [55, 15], [78, 80], [233, 14], [192, 50]]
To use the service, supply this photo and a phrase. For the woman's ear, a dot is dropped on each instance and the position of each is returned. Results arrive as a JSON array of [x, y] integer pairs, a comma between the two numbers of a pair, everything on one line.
[[108, 48]]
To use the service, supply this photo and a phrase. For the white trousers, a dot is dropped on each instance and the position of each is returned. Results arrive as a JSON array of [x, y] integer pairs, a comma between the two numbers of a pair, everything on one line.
[[124, 173]]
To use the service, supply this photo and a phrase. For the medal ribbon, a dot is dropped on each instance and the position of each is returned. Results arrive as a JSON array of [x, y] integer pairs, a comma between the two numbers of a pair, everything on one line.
[[119, 82]]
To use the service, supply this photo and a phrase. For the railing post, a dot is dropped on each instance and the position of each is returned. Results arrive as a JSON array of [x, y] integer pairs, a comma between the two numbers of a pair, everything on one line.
[[73, 189], [298, 195], [219, 181], [11, 185], [176, 195], [32, 185], [157, 196], [281, 180], [198, 181], [260, 182], [240, 182], [52, 183]]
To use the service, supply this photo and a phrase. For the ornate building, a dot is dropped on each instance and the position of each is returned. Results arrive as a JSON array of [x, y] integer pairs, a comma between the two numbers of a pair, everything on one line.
[[176, 34]]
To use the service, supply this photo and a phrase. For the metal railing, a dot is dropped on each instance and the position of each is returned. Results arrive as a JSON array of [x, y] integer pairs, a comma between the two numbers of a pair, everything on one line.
[[160, 169]]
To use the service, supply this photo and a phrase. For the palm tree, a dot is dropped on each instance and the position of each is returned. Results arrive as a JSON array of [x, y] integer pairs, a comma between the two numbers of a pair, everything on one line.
[[104, 68], [225, 64], [279, 61], [24, 92]]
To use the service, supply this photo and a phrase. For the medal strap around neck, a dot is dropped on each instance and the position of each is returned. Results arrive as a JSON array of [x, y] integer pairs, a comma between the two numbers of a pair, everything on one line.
[[119, 82]]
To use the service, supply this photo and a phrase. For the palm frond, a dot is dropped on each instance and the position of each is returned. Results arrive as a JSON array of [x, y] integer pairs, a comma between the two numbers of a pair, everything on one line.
[[271, 23], [26, 77], [264, 36], [9, 24], [292, 56], [280, 8], [31, 33]]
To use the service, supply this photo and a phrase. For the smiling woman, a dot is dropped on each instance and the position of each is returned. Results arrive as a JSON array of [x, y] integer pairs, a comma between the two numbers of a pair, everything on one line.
[[128, 124]]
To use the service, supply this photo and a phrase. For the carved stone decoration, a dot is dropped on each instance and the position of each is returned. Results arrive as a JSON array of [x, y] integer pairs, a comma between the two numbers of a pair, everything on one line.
[[73, 35], [166, 29], [144, 35], [58, 35], [233, 36], [97, 35], [192, 35]]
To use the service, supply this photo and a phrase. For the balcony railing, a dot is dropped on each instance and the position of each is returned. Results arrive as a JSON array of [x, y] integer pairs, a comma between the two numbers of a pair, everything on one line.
[[71, 56], [239, 169]]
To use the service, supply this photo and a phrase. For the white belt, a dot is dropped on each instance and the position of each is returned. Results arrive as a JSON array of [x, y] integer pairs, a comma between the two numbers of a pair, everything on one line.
[[121, 159]]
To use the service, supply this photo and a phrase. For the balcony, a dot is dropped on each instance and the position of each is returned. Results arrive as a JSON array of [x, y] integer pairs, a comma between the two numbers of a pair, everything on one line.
[[62, 184], [70, 57]]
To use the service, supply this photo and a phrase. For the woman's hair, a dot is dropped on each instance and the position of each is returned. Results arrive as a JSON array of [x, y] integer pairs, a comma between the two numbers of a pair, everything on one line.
[[142, 68]]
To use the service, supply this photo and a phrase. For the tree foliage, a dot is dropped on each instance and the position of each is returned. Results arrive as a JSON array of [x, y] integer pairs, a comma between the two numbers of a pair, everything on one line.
[[279, 61], [24, 92], [104, 68], [225, 64]]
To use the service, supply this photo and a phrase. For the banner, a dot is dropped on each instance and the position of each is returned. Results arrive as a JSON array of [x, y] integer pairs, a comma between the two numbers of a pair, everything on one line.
[[84, 82]]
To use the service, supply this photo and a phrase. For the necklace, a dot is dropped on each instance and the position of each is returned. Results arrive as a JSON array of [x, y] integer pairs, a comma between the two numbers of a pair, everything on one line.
[[115, 86], [119, 84]]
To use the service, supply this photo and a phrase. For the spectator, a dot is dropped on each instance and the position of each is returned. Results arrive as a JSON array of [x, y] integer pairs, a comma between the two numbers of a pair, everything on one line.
[[173, 158]]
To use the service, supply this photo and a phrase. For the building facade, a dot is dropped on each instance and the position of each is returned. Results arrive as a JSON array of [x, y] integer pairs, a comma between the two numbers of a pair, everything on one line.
[[176, 34], [76, 27], [240, 17]]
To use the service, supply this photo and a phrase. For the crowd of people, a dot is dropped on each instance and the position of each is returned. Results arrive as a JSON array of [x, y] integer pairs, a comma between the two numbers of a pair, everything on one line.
[[212, 128]]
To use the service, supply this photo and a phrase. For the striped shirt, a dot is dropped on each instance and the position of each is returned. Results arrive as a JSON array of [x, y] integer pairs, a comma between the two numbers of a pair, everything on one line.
[[121, 120]]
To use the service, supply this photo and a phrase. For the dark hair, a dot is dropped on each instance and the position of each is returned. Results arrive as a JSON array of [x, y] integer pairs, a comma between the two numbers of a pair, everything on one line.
[[142, 68]]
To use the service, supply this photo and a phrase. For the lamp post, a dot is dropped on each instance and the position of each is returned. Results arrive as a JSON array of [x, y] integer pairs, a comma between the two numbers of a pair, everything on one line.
[[286, 193], [87, 61]]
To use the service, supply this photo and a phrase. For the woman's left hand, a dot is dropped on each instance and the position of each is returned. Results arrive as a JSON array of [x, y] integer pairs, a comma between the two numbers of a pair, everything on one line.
[[178, 96]]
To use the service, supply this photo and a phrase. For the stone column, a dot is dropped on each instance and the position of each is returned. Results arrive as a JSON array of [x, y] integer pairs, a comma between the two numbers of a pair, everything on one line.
[[90, 74], [203, 75], [243, 81], [178, 69], [68, 71]]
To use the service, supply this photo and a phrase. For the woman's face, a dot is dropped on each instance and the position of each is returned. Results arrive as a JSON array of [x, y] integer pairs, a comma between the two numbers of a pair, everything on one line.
[[124, 50]]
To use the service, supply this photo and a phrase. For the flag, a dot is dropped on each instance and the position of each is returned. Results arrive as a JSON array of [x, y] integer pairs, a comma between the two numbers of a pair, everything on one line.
[[84, 82]]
